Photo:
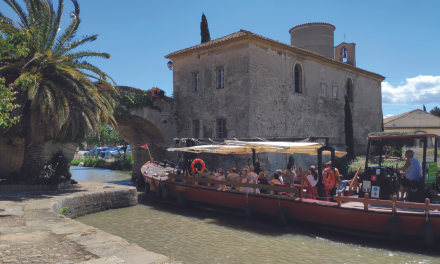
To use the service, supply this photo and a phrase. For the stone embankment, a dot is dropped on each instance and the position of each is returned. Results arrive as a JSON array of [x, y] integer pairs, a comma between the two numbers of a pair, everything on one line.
[[32, 231]]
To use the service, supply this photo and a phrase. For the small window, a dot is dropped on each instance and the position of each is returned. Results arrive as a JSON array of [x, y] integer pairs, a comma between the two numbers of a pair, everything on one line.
[[298, 78], [196, 81], [220, 77], [196, 128], [324, 90], [221, 128], [344, 54], [335, 92], [350, 89]]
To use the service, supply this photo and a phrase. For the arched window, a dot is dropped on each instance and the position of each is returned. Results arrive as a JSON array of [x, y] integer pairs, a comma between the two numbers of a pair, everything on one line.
[[350, 89], [298, 78], [344, 54]]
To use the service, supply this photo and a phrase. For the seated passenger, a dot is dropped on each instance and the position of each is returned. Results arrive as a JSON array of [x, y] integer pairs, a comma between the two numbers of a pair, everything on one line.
[[276, 179], [312, 176], [341, 185], [219, 177], [280, 176], [233, 176], [204, 175], [413, 172], [251, 177], [262, 179], [243, 173]]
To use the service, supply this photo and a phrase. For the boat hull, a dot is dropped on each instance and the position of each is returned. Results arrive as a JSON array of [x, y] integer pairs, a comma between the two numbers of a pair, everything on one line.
[[322, 213]]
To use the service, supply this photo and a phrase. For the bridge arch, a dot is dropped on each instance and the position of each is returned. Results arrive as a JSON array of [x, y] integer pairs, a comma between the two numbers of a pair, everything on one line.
[[148, 126]]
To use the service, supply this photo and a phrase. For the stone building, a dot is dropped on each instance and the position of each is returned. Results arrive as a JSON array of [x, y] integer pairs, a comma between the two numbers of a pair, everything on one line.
[[415, 121], [246, 85]]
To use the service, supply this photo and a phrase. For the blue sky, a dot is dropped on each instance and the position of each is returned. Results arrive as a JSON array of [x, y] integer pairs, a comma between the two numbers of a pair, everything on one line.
[[397, 39]]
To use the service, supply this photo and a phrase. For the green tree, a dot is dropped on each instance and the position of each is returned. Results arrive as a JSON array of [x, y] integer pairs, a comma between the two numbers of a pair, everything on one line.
[[10, 44], [348, 125], [204, 30], [54, 82], [108, 136], [435, 111]]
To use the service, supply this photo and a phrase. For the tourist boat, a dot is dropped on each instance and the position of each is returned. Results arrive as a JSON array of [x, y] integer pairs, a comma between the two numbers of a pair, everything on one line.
[[364, 215]]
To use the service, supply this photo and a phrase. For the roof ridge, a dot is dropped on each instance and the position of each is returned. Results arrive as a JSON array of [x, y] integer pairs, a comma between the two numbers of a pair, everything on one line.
[[243, 33], [393, 118]]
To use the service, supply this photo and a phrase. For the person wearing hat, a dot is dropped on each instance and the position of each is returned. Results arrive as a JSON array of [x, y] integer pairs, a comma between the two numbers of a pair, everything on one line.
[[329, 165], [280, 176]]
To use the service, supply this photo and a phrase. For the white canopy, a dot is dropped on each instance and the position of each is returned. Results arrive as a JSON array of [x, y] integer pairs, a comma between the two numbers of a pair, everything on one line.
[[245, 147]]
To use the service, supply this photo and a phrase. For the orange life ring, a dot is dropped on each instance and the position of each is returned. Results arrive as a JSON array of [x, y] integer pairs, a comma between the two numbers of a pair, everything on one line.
[[194, 162], [328, 178]]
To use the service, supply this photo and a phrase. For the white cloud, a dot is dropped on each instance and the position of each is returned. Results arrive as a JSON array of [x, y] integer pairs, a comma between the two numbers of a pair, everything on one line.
[[418, 90], [388, 115]]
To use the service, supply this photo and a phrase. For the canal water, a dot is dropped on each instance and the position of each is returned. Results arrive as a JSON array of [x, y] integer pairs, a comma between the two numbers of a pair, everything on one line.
[[198, 236]]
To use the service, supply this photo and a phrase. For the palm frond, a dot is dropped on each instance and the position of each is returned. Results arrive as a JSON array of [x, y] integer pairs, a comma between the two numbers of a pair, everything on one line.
[[19, 11]]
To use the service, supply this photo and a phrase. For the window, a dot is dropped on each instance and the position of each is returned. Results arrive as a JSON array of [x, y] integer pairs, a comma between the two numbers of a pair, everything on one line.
[[350, 89], [324, 90], [344, 54], [298, 78], [221, 128], [196, 128], [220, 71], [335, 92], [196, 81]]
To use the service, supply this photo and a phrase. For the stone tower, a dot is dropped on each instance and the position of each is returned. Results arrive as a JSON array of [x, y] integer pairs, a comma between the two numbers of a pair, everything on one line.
[[346, 53]]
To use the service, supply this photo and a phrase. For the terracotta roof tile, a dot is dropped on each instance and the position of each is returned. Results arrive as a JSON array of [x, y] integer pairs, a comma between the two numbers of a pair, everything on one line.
[[247, 34], [392, 118]]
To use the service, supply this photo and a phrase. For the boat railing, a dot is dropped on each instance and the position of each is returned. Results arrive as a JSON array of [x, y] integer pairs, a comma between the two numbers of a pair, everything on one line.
[[393, 204], [290, 191]]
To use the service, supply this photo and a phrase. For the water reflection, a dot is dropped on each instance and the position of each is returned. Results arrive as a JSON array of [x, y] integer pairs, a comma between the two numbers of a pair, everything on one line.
[[199, 236], [100, 175]]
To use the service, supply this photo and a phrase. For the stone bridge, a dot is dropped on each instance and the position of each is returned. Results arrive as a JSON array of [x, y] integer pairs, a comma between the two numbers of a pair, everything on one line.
[[148, 126], [142, 126]]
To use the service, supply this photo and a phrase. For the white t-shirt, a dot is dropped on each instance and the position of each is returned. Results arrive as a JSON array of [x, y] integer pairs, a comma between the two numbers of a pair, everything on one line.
[[312, 180]]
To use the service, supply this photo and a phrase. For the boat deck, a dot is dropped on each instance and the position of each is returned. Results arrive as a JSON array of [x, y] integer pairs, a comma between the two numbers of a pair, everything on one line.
[[159, 173]]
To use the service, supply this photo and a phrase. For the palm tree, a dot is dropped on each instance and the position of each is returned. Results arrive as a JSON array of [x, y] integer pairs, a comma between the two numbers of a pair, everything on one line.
[[57, 87]]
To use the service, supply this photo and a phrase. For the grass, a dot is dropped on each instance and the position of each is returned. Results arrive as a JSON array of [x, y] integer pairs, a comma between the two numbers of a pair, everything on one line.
[[121, 162]]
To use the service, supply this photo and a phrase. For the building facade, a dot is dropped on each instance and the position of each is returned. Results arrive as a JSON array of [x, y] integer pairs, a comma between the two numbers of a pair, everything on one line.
[[416, 122], [245, 85]]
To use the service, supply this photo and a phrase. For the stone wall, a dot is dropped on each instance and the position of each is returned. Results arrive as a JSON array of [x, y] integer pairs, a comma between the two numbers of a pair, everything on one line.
[[259, 100], [210, 103], [12, 151]]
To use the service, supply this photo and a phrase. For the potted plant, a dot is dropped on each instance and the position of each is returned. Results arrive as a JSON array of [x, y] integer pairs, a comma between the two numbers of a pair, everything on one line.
[[157, 92]]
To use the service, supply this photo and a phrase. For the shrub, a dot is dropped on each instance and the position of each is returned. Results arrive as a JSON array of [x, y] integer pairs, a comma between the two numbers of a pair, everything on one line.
[[122, 162], [75, 162]]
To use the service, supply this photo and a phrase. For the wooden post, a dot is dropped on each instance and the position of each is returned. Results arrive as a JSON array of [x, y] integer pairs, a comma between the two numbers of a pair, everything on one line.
[[292, 193], [394, 199], [339, 200], [254, 190], [302, 185], [196, 183], [366, 197], [272, 191], [426, 205]]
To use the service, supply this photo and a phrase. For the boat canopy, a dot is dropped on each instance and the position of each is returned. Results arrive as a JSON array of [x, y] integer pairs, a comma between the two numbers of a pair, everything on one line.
[[246, 147]]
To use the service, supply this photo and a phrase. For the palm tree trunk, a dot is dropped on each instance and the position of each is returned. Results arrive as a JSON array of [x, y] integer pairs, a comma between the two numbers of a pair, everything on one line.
[[33, 160]]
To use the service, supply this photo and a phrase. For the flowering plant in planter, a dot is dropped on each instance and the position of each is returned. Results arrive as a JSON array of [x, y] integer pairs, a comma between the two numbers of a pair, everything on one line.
[[157, 92]]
